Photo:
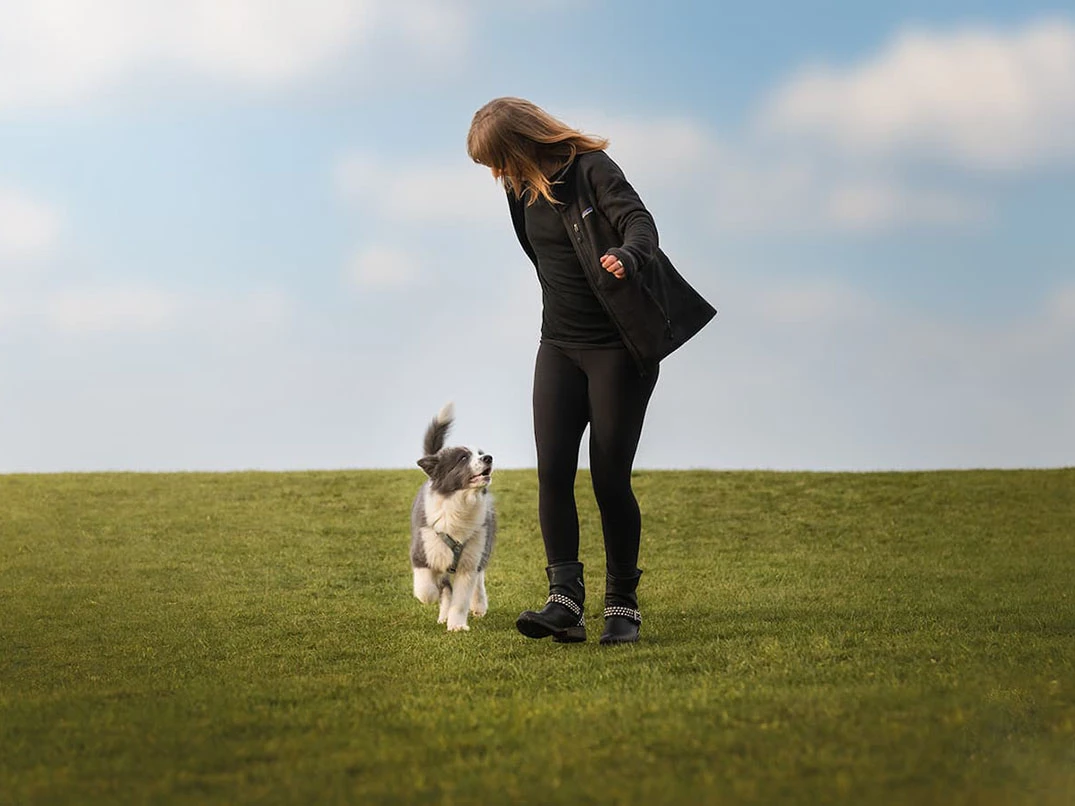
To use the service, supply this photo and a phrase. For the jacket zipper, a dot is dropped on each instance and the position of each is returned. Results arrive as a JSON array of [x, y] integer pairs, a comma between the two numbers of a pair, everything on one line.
[[577, 240], [667, 322]]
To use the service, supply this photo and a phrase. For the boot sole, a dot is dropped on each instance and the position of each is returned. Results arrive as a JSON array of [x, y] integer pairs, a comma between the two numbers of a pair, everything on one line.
[[619, 637], [614, 641], [532, 628]]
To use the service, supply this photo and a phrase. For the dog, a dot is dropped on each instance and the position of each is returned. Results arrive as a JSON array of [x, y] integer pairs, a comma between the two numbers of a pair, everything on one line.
[[453, 526]]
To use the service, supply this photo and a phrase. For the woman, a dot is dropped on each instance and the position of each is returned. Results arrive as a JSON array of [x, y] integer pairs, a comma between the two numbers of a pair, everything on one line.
[[612, 307]]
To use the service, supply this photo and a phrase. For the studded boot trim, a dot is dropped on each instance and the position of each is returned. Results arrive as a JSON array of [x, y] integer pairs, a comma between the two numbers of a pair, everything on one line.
[[626, 612], [570, 604]]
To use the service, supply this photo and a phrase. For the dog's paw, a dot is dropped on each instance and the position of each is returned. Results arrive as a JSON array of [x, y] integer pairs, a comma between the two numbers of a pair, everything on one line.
[[442, 619], [458, 628], [479, 610]]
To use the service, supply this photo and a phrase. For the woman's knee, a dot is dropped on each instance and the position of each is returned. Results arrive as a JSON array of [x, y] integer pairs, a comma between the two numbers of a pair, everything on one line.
[[613, 490], [557, 475]]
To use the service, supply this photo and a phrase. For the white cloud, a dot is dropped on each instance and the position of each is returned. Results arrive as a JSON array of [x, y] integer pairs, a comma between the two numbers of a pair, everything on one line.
[[63, 51], [659, 151], [260, 43], [424, 192], [28, 228], [815, 304], [114, 311], [977, 96], [240, 319], [145, 310], [799, 194], [436, 27], [261, 308], [872, 204], [381, 268]]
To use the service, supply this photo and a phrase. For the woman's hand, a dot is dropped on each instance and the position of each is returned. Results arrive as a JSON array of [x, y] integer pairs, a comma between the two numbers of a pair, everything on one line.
[[614, 266]]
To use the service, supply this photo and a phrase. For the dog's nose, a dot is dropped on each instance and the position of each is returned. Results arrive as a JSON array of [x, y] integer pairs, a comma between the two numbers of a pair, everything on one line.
[[487, 459]]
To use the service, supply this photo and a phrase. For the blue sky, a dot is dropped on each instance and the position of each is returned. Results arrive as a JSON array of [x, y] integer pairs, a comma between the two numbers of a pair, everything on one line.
[[246, 235]]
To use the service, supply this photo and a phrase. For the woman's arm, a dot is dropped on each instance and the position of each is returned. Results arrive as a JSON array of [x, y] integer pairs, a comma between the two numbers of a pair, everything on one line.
[[621, 205]]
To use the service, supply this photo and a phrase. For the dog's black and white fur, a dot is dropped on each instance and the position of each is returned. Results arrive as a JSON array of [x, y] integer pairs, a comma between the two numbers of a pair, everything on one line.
[[454, 502]]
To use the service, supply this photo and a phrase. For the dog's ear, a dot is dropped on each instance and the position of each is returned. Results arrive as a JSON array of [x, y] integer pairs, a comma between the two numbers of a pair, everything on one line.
[[427, 463]]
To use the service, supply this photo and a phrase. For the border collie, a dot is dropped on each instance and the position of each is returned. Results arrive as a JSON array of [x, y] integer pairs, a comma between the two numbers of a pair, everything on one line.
[[453, 525]]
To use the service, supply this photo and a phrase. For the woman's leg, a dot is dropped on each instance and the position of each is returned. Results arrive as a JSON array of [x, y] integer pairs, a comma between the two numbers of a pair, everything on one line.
[[618, 396], [618, 400], [560, 415]]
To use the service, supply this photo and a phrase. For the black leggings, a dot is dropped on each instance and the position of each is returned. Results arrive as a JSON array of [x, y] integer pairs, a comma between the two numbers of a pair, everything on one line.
[[602, 387]]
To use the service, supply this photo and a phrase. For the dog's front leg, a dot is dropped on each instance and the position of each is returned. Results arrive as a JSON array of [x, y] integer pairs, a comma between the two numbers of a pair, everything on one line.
[[445, 599], [426, 589], [479, 602], [462, 590]]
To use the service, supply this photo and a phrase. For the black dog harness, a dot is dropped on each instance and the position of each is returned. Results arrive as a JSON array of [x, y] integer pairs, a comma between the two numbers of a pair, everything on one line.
[[456, 549]]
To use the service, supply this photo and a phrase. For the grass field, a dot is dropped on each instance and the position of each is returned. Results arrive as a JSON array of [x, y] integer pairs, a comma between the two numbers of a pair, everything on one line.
[[808, 638]]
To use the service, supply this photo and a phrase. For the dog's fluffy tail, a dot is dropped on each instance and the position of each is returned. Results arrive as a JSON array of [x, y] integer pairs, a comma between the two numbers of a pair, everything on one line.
[[438, 429]]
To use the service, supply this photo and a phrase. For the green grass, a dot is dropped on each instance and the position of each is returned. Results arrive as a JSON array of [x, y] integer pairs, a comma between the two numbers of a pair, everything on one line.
[[808, 638]]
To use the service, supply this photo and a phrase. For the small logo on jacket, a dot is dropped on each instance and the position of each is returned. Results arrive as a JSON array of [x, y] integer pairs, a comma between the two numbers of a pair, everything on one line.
[[587, 211]]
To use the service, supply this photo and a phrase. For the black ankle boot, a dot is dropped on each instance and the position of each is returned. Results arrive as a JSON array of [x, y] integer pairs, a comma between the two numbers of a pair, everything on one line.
[[622, 618], [561, 617]]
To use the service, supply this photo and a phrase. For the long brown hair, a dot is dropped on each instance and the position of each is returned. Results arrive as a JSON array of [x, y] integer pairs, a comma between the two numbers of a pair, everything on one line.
[[519, 139]]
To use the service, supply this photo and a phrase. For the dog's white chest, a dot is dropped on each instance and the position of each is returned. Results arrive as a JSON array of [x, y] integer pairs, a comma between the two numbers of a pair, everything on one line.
[[462, 517]]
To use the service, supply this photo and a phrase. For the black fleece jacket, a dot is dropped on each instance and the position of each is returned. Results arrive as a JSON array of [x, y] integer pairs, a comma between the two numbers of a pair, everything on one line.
[[653, 307]]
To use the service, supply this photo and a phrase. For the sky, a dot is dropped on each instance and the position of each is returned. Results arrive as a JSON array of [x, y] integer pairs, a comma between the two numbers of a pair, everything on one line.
[[244, 234]]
